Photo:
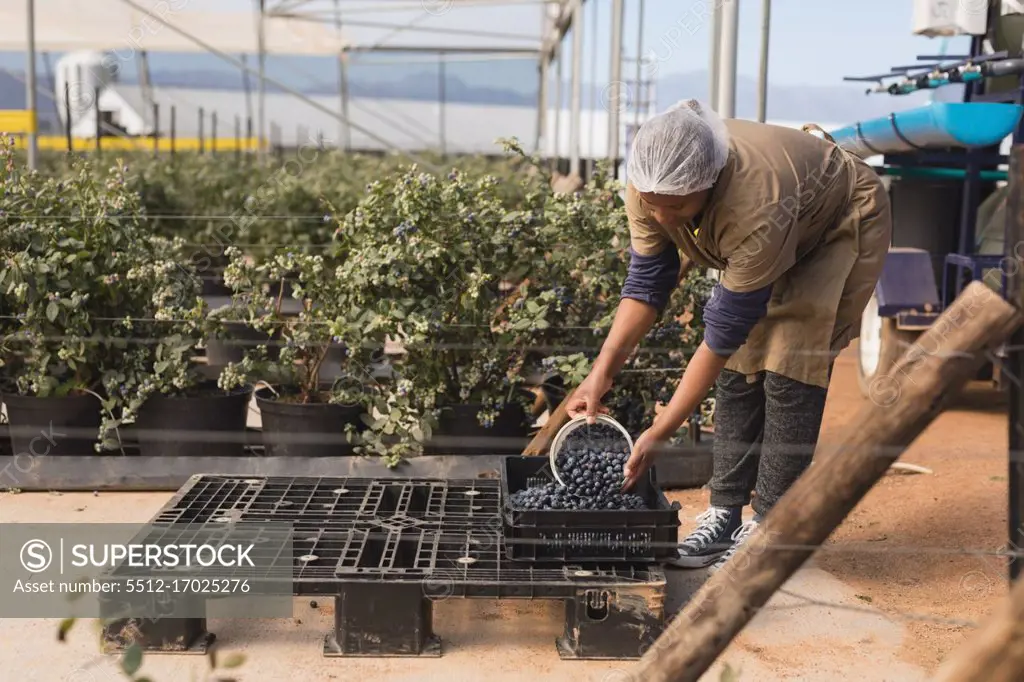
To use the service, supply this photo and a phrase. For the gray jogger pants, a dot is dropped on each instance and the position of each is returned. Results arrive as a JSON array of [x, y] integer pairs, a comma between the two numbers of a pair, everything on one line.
[[765, 433]]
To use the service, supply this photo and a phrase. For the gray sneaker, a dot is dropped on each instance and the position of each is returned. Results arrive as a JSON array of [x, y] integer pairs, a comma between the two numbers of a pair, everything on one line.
[[741, 535], [710, 540]]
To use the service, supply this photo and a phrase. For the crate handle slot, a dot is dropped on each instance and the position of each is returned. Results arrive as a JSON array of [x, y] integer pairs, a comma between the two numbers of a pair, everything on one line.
[[596, 605]]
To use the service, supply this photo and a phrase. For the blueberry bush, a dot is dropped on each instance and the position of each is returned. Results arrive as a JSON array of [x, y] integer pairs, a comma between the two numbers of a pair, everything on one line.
[[303, 342], [485, 275], [438, 264], [86, 284]]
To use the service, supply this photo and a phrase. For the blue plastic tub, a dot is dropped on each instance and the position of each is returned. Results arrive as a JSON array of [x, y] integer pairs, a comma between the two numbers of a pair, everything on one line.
[[935, 126]]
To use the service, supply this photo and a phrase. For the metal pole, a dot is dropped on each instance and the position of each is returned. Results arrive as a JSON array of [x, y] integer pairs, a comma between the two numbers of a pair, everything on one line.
[[762, 86], [238, 138], [714, 65], [575, 113], [346, 129], [246, 86], [174, 129], [156, 128], [99, 119], [202, 145], [30, 86], [213, 133], [262, 91], [592, 38], [542, 105], [618, 8], [557, 148], [730, 35], [641, 95], [67, 116], [441, 98], [342, 79]]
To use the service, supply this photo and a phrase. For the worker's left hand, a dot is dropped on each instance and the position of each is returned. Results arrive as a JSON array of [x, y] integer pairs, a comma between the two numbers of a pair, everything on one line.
[[642, 457]]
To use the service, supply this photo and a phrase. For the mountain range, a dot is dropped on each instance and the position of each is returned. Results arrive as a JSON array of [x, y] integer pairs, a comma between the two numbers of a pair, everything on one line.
[[823, 104]]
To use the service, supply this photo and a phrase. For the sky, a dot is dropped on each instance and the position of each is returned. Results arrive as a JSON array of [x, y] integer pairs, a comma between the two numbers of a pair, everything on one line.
[[813, 42]]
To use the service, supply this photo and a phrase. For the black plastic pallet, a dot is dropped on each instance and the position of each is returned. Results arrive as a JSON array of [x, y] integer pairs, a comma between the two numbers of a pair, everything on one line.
[[387, 549]]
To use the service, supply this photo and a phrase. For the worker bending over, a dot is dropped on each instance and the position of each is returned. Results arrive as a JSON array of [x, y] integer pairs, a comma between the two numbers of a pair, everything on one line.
[[799, 230]]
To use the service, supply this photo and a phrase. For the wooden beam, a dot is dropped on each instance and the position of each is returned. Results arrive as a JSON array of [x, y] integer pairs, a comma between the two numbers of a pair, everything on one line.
[[903, 403], [539, 444], [996, 651]]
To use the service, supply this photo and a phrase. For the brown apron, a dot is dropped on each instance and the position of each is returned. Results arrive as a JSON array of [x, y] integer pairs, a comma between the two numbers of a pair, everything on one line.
[[795, 212]]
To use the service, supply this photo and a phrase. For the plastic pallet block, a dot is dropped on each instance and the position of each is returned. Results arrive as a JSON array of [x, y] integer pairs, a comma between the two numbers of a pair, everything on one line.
[[599, 536], [406, 543]]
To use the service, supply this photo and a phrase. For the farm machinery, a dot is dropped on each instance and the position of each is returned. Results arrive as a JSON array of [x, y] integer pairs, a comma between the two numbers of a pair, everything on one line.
[[946, 168]]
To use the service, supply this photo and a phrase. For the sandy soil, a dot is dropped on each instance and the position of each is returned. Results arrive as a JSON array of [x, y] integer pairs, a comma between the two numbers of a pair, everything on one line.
[[907, 547]]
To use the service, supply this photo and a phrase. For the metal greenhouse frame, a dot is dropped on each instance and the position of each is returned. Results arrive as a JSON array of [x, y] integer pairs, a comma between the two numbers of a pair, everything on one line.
[[447, 30]]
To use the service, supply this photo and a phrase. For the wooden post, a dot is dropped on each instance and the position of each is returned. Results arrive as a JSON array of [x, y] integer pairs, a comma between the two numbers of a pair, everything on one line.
[[903, 403], [541, 442], [995, 653]]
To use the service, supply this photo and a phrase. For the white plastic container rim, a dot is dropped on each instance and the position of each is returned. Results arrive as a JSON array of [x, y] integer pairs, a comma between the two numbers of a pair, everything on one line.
[[571, 426]]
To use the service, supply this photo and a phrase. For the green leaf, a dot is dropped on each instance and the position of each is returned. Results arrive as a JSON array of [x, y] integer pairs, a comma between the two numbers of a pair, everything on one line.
[[132, 659], [51, 310], [234, 660], [64, 627]]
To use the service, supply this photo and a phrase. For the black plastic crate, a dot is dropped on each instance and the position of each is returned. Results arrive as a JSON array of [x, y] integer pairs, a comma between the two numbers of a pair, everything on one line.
[[599, 536]]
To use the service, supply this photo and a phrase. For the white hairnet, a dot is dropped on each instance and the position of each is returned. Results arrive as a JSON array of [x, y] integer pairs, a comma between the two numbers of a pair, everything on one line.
[[680, 151]]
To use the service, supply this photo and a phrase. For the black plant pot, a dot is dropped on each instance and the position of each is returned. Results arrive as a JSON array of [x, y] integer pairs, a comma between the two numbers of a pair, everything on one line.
[[208, 424], [5, 441], [213, 285], [240, 339], [53, 426], [459, 433], [306, 430]]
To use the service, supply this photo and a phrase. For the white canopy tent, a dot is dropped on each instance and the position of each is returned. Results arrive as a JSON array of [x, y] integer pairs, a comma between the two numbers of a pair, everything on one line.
[[434, 26], [71, 25]]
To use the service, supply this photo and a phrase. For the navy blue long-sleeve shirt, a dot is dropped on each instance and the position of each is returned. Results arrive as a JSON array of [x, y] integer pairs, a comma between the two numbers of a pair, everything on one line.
[[729, 316]]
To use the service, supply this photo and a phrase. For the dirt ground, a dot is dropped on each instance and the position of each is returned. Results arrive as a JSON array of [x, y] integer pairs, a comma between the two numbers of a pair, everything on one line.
[[907, 547]]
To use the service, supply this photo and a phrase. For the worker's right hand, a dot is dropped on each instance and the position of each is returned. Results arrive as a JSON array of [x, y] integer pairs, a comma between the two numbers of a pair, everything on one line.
[[587, 397]]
